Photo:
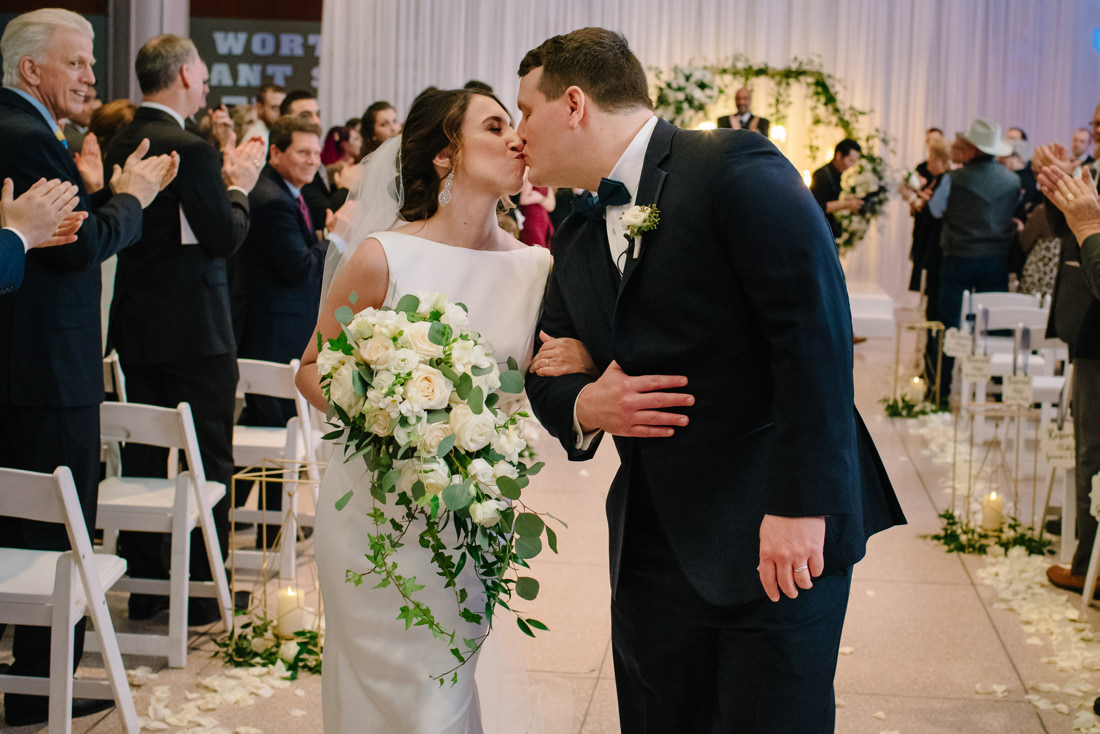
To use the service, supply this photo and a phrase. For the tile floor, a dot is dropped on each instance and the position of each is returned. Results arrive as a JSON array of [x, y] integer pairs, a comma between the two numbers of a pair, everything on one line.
[[922, 628]]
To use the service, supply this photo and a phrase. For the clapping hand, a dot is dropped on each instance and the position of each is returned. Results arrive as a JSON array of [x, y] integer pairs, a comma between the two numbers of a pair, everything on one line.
[[144, 177], [1052, 154], [1075, 197], [562, 356], [241, 163], [44, 213], [89, 161], [623, 405], [221, 126]]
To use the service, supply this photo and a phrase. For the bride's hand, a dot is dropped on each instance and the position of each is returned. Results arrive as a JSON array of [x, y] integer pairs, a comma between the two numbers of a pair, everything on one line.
[[562, 356]]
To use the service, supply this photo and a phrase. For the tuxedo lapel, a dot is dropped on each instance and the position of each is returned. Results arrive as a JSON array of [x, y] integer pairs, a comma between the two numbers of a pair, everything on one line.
[[650, 184]]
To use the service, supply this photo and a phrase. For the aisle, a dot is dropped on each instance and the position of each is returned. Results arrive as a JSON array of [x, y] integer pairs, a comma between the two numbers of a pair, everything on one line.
[[922, 630]]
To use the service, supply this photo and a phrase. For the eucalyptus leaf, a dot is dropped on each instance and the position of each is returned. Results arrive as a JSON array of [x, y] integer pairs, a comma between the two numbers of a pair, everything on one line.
[[343, 501], [389, 479], [344, 315], [446, 445], [536, 468], [464, 385], [353, 297], [482, 371], [511, 382], [440, 333], [528, 546], [508, 488], [456, 497], [476, 401], [537, 625], [438, 416], [512, 364], [358, 384], [529, 524], [527, 588], [551, 539], [408, 304], [449, 373], [492, 399], [418, 489], [524, 627]]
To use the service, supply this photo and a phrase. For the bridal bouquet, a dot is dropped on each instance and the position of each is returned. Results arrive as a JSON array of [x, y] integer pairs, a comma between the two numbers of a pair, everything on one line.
[[419, 396]]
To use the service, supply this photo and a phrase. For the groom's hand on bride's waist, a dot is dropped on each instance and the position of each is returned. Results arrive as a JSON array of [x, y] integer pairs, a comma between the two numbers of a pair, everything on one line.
[[625, 405]]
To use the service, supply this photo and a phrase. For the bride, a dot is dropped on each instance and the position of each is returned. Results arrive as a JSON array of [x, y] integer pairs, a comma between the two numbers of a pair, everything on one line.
[[425, 218]]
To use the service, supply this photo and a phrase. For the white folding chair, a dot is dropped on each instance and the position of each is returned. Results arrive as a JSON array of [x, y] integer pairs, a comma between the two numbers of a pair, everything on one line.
[[114, 381], [55, 589], [174, 506], [252, 445]]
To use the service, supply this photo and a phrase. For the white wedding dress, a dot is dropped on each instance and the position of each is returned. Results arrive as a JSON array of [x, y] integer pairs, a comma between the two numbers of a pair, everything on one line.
[[376, 673]]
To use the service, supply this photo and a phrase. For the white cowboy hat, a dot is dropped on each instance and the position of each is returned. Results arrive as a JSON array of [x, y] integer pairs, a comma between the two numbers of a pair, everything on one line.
[[985, 135]]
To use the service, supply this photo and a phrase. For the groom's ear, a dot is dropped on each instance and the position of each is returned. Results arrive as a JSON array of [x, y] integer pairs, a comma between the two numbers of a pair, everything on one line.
[[577, 102]]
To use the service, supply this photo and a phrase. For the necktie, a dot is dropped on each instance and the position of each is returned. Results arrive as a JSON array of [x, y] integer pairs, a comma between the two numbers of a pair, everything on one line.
[[60, 136], [305, 212], [610, 193]]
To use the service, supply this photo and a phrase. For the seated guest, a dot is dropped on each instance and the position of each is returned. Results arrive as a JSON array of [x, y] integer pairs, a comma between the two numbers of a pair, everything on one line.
[[281, 265], [320, 194], [379, 124]]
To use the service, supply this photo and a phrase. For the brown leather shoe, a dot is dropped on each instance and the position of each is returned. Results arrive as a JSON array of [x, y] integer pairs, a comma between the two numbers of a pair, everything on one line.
[[1061, 577]]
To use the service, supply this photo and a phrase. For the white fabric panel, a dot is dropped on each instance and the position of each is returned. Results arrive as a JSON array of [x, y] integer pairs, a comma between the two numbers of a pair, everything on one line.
[[910, 63]]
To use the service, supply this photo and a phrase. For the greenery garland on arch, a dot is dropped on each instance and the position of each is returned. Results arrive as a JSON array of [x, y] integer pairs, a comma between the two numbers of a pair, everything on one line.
[[688, 95]]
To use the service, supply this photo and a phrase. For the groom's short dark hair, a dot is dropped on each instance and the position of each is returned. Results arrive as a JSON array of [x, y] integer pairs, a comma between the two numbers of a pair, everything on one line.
[[598, 61]]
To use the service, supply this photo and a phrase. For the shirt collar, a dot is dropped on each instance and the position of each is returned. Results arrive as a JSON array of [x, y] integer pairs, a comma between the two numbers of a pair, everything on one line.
[[629, 167], [38, 106], [163, 108], [294, 190]]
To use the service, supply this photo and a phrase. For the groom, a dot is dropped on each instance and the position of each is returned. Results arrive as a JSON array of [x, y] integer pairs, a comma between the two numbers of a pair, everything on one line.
[[748, 483]]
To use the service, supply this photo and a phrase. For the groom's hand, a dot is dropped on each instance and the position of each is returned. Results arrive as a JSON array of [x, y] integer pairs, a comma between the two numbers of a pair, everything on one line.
[[790, 554], [632, 406]]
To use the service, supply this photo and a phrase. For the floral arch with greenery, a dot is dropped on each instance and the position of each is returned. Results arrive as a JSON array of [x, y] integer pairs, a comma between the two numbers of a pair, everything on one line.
[[693, 96]]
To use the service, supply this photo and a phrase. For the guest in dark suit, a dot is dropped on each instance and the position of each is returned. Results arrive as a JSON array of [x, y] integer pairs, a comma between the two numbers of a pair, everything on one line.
[[723, 367], [744, 119], [282, 261], [42, 217], [281, 265], [169, 317], [320, 194], [51, 375], [826, 188]]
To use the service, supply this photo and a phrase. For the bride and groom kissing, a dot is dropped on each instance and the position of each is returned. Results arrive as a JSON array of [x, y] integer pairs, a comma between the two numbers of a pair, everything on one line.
[[715, 347]]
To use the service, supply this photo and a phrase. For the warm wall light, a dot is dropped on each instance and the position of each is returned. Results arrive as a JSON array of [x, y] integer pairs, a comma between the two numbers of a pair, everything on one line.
[[708, 125], [778, 133], [806, 177]]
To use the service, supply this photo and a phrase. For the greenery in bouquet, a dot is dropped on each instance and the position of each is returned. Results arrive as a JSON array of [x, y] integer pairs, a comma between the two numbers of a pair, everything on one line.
[[420, 398]]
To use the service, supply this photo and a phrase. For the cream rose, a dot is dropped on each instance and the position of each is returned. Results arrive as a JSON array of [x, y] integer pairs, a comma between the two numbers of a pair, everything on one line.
[[403, 360], [509, 442], [634, 216], [288, 650], [472, 432], [377, 351], [416, 338], [435, 476], [328, 360], [486, 514], [341, 390], [481, 470], [431, 434], [406, 435], [379, 422], [428, 389]]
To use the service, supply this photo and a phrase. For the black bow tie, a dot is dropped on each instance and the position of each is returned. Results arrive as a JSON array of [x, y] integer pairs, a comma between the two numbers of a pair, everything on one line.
[[610, 193]]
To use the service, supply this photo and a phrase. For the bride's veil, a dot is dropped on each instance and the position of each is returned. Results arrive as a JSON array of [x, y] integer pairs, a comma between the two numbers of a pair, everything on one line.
[[375, 202]]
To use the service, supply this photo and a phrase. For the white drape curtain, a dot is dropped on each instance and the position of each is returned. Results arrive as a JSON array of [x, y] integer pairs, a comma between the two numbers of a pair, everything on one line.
[[911, 63]]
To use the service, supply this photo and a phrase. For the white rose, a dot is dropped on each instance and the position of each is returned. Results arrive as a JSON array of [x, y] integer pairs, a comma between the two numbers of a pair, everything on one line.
[[455, 316], [361, 327], [486, 514], [391, 404], [288, 650], [463, 354], [509, 442], [406, 435], [428, 389], [259, 644], [329, 360], [634, 216], [472, 432], [342, 392], [377, 351], [403, 360], [435, 476], [416, 338], [431, 434], [487, 382], [379, 422], [408, 477], [431, 301], [481, 470]]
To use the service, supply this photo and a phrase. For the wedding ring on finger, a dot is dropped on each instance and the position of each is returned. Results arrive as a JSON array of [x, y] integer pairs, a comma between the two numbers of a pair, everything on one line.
[[1069, 197], [800, 569]]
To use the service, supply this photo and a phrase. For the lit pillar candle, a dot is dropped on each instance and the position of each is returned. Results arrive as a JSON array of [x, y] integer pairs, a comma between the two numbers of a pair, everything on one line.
[[914, 390], [992, 512], [289, 615]]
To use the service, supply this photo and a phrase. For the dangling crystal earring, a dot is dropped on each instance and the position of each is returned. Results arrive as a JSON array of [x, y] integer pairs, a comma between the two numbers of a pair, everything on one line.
[[445, 192]]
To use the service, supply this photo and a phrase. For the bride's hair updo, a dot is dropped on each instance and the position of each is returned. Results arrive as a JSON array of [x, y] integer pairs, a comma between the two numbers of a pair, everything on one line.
[[434, 123]]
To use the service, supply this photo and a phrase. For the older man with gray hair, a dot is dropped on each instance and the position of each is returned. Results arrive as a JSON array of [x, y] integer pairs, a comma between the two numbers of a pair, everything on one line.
[[51, 376]]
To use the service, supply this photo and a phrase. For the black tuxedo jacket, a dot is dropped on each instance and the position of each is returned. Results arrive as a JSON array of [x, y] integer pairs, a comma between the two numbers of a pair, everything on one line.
[[171, 300], [11, 261], [762, 123], [50, 329], [281, 268], [739, 288]]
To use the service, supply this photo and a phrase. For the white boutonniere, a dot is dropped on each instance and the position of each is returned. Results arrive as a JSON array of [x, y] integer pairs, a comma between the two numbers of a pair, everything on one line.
[[639, 219]]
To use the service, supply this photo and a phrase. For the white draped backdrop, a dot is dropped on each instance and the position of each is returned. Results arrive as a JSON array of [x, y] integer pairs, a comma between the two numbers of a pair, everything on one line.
[[911, 63]]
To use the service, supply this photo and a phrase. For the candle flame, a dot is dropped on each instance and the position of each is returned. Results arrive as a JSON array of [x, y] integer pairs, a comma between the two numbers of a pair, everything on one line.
[[992, 495]]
